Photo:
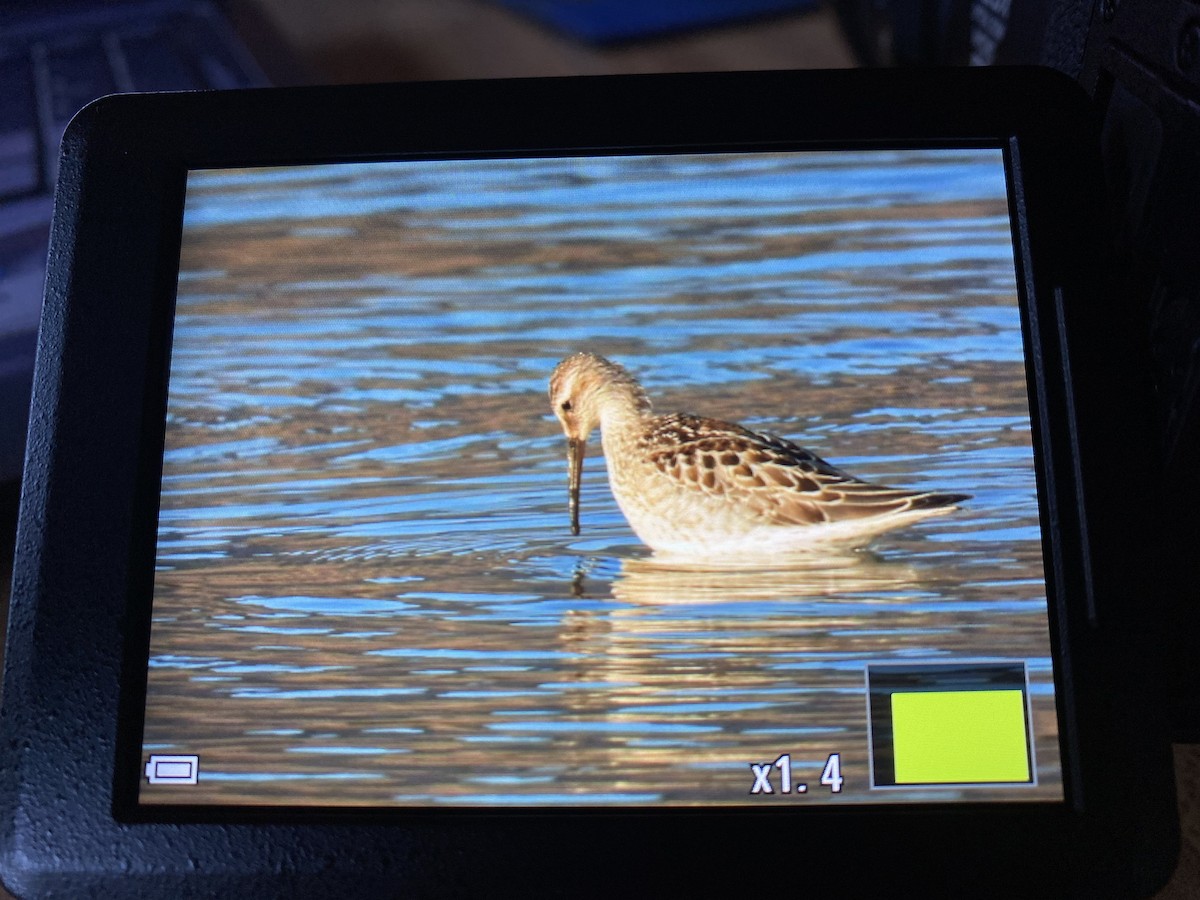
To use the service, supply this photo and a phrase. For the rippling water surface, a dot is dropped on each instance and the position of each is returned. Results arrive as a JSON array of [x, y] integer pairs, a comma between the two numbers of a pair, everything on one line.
[[367, 592]]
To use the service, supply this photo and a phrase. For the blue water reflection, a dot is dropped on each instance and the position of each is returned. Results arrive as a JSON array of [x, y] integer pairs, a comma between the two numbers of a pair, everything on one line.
[[366, 590]]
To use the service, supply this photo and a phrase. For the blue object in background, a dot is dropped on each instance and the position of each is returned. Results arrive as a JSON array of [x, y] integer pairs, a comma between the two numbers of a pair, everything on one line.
[[607, 21]]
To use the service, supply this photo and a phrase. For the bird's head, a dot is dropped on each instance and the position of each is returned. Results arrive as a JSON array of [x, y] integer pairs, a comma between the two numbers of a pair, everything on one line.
[[585, 388]]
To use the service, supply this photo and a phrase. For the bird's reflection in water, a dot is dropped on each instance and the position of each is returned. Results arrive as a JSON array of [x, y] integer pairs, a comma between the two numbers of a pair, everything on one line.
[[719, 664], [663, 580]]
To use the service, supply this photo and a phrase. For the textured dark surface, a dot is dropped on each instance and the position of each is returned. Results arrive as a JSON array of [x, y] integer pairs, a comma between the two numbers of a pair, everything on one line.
[[1139, 61]]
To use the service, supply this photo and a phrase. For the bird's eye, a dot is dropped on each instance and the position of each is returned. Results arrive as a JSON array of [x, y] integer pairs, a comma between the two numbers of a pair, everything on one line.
[[566, 406]]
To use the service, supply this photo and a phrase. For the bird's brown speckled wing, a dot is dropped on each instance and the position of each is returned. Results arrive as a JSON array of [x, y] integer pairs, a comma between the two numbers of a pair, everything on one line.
[[773, 479]]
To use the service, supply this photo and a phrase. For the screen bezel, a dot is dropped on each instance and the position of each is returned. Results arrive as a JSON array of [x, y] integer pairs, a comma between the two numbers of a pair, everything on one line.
[[150, 143]]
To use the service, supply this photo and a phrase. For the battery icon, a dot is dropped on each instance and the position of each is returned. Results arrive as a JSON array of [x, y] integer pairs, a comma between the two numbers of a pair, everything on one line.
[[172, 769]]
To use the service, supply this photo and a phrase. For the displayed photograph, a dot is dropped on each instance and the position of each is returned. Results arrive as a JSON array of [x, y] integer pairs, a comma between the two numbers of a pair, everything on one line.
[[612, 481]]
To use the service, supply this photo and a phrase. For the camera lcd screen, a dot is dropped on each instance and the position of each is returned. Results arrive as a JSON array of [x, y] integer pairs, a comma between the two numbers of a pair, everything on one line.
[[368, 590]]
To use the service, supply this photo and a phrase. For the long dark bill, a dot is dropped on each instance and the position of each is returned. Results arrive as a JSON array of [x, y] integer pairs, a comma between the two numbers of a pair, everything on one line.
[[575, 451]]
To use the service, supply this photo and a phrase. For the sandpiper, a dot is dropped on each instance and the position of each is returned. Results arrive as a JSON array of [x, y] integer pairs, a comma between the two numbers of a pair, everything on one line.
[[697, 487]]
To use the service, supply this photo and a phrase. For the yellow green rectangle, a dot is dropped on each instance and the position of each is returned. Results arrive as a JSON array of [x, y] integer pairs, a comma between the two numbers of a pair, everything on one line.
[[959, 737]]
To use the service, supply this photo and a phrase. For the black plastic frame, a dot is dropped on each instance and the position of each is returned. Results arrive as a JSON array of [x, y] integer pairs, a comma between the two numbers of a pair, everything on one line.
[[78, 631]]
